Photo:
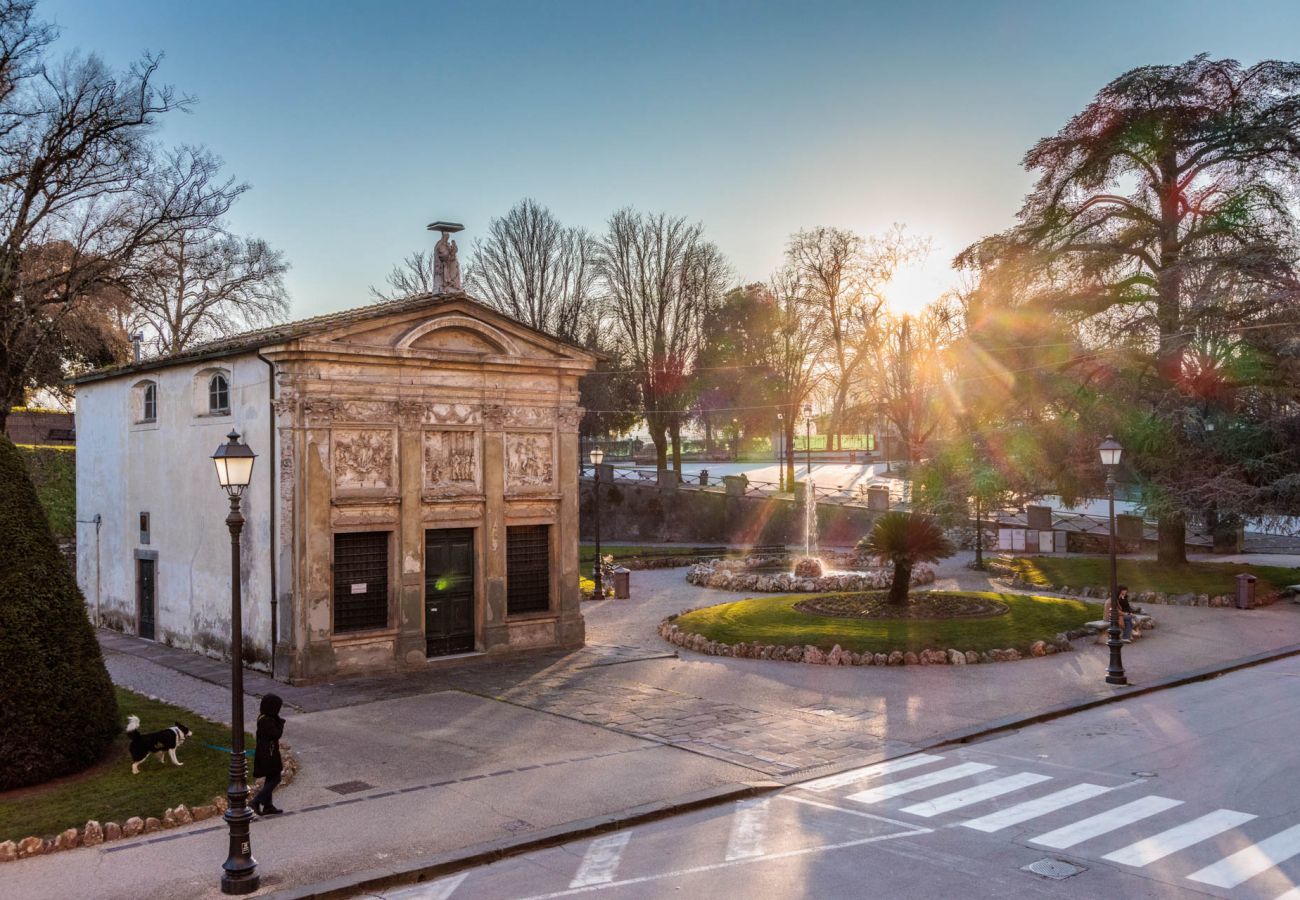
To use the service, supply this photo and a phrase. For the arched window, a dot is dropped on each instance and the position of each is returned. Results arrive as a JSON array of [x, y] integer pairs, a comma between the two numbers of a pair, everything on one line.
[[218, 395], [149, 403]]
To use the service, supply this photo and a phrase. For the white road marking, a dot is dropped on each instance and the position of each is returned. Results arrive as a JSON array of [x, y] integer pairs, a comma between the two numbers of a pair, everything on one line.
[[1246, 864], [1103, 823], [437, 890], [747, 828], [980, 792], [1159, 846], [919, 783], [1032, 809], [785, 854], [912, 826], [881, 768], [1293, 894], [601, 860]]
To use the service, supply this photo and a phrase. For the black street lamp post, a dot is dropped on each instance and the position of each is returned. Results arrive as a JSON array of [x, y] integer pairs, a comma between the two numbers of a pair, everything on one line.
[[1111, 451], [807, 418], [780, 449], [598, 457], [234, 462]]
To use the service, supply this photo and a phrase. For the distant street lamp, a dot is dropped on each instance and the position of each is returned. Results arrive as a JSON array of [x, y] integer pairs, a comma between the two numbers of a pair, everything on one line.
[[780, 448], [807, 419], [1111, 451], [598, 457], [234, 462]]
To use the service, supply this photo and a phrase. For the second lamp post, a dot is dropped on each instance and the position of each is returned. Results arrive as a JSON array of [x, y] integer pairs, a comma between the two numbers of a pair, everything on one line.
[[598, 457], [1111, 451]]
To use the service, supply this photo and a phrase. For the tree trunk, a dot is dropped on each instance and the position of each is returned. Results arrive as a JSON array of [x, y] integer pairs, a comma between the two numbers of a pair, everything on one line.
[[902, 581], [675, 430], [660, 440], [1171, 539]]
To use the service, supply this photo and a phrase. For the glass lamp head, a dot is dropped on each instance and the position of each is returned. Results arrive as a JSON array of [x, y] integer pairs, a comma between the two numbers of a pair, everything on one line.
[[234, 462], [1111, 450], [597, 456]]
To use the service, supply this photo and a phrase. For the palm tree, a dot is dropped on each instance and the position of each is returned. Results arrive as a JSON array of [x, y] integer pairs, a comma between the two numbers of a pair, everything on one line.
[[905, 539]]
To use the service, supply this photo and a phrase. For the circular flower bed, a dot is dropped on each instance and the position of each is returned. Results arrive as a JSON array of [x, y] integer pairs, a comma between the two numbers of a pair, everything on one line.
[[939, 628], [749, 575], [927, 605]]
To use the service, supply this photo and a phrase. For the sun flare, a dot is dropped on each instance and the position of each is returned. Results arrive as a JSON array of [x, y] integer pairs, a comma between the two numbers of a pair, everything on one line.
[[919, 284]]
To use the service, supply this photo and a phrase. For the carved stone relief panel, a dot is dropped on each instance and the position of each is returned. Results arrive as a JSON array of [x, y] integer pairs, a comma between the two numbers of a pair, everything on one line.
[[571, 417], [452, 462], [454, 413], [530, 460], [532, 416], [363, 459], [368, 411]]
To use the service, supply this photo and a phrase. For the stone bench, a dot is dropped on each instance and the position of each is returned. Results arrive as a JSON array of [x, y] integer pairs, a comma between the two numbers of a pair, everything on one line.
[[1101, 627]]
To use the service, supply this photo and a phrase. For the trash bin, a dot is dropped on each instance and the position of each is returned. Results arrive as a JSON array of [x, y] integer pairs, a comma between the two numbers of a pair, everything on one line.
[[622, 583], [1246, 591], [704, 476]]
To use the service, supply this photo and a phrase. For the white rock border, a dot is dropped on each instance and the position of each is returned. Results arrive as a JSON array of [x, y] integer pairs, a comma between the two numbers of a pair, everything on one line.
[[737, 575], [93, 833], [837, 656]]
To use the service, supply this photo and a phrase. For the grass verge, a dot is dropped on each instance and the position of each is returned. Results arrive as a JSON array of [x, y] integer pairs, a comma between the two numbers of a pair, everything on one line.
[[1149, 575], [54, 472], [774, 620], [108, 792]]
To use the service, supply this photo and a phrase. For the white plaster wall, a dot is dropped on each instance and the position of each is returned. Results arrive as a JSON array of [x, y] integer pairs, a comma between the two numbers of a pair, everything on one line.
[[125, 468]]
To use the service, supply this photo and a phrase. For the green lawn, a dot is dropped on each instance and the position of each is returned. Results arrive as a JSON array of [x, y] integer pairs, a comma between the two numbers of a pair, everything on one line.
[[774, 620], [108, 792], [1148, 575], [54, 472]]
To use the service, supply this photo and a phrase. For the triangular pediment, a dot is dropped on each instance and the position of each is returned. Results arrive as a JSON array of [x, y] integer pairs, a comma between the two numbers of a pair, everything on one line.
[[454, 327]]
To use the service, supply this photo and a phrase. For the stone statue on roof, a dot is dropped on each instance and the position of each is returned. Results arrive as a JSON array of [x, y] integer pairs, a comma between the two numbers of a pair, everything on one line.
[[446, 265]]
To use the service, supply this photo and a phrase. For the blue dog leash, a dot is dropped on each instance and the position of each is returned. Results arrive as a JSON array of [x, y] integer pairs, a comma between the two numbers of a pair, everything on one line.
[[227, 749]]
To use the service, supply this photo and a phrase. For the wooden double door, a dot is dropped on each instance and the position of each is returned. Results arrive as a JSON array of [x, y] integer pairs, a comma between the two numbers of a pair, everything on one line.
[[448, 591]]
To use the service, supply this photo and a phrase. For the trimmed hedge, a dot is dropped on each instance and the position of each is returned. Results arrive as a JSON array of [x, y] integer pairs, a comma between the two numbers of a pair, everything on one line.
[[59, 708]]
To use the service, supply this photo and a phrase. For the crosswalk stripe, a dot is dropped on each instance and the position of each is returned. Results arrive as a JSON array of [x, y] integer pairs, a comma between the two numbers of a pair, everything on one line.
[[1087, 829], [980, 792], [747, 827], [920, 782], [1293, 894], [1246, 864], [1159, 846], [600, 862], [853, 776], [437, 890], [1032, 809]]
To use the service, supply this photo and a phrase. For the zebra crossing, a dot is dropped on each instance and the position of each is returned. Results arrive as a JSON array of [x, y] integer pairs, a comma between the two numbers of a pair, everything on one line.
[[923, 800], [880, 784]]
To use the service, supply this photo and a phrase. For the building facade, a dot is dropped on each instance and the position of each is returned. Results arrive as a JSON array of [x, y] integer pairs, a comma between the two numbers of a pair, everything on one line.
[[414, 497]]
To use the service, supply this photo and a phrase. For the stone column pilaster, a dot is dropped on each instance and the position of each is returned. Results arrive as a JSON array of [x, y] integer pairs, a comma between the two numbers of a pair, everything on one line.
[[410, 648], [494, 632]]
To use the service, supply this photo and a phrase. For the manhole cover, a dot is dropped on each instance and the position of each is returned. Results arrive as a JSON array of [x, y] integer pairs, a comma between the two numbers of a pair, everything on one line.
[[349, 787], [1057, 869]]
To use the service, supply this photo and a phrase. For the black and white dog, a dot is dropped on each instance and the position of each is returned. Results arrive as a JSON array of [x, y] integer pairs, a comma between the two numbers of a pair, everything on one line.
[[159, 742]]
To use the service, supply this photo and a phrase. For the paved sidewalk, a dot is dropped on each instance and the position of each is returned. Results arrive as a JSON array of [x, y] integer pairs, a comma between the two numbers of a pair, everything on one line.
[[450, 759]]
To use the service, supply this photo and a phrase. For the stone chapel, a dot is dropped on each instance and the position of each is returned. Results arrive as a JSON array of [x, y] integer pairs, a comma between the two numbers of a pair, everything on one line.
[[414, 498]]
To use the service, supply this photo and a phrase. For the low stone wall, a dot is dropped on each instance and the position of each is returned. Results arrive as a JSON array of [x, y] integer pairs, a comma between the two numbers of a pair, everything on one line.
[[736, 575], [837, 656], [1013, 579], [93, 833]]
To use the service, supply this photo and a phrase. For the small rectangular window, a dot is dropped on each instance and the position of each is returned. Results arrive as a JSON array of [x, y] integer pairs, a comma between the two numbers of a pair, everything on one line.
[[528, 569], [218, 395], [144, 528], [360, 581], [150, 411]]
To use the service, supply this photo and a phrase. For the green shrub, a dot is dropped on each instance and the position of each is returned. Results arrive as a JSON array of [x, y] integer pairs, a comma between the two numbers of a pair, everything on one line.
[[59, 709]]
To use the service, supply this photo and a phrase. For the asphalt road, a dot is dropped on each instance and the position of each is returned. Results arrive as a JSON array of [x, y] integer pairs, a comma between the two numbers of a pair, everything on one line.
[[1188, 792]]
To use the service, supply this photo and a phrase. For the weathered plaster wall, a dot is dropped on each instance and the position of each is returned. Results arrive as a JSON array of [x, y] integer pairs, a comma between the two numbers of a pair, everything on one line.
[[126, 467]]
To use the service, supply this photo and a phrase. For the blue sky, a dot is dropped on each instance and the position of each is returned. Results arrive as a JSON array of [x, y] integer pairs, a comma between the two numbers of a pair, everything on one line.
[[358, 123]]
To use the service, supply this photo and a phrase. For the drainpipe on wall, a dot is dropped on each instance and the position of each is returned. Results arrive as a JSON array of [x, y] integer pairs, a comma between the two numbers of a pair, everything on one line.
[[273, 470]]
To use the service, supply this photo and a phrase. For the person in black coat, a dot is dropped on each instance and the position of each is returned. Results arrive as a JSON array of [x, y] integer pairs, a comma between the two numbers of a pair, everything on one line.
[[266, 757]]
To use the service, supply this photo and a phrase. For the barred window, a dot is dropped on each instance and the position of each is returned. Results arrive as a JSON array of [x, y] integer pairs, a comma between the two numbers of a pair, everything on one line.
[[528, 568], [218, 395], [360, 580]]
